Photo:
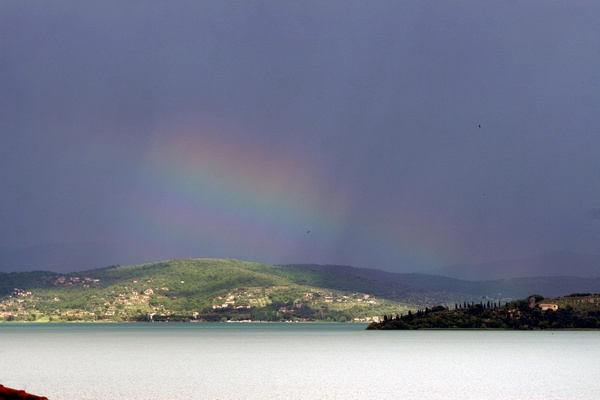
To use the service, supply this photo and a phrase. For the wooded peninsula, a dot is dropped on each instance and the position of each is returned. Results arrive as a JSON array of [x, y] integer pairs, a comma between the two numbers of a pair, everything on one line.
[[576, 311]]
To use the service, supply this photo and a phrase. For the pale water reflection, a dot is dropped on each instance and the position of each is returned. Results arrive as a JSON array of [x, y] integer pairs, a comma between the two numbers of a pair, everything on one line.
[[295, 361]]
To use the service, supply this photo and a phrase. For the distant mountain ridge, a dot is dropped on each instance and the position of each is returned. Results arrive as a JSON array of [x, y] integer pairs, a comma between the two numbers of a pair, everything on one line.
[[423, 285], [551, 264]]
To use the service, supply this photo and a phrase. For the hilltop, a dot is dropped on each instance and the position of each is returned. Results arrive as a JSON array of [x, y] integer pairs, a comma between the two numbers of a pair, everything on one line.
[[218, 290]]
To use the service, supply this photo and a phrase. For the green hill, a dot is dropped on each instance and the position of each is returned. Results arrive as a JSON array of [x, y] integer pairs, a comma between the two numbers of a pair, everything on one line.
[[193, 289], [215, 290]]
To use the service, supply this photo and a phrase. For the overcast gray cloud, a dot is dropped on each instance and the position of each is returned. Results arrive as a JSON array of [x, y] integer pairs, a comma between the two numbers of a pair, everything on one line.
[[594, 214], [403, 136]]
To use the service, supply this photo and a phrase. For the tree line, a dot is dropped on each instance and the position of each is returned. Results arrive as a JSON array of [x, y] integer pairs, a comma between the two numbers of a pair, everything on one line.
[[517, 315]]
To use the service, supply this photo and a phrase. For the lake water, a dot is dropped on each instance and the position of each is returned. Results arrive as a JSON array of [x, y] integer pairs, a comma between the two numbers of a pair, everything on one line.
[[295, 361]]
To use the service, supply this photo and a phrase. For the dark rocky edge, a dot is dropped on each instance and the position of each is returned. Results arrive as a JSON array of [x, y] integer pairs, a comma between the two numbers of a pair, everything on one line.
[[13, 394]]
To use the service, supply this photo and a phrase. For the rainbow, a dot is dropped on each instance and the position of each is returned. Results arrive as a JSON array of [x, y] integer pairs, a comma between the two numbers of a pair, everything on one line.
[[203, 194], [232, 197]]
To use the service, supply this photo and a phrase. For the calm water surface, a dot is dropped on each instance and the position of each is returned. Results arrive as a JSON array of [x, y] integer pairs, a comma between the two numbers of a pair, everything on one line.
[[295, 361]]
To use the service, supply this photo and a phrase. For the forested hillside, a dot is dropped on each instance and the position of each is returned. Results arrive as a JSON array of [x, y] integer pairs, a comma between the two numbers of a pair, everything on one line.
[[217, 290], [194, 289], [576, 311]]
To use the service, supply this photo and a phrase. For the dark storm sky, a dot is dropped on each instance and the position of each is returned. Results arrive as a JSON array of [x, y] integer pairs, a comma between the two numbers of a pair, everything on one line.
[[395, 135]]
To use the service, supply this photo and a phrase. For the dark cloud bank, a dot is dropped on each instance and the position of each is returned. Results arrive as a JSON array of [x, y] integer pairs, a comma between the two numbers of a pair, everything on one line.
[[407, 136]]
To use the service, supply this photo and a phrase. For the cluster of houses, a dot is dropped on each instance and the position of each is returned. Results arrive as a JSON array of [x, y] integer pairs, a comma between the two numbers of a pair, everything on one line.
[[16, 292], [124, 299], [368, 319], [120, 302], [247, 299], [134, 298], [13, 306], [229, 302], [19, 301], [356, 297], [224, 303], [76, 281]]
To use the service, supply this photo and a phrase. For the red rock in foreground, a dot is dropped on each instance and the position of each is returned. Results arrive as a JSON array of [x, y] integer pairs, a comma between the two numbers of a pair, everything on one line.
[[13, 394]]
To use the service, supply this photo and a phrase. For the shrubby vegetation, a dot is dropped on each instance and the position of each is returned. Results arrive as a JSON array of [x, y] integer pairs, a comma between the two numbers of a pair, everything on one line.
[[184, 290], [231, 290], [577, 311]]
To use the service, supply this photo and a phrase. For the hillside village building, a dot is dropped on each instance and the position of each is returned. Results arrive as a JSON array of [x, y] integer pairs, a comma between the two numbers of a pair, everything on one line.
[[548, 306]]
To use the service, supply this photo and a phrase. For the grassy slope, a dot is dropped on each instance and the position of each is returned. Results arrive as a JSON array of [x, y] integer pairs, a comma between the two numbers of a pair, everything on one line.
[[182, 286], [193, 284]]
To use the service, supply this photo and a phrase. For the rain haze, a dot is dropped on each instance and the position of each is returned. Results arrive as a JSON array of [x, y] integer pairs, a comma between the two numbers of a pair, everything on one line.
[[402, 136]]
